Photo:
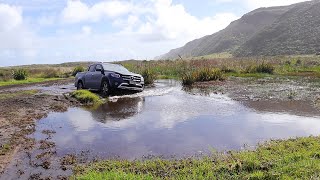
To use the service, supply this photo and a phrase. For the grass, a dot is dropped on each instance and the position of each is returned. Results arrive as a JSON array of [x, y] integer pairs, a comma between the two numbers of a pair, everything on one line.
[[18, 94], [4, 149], [114, 175], [149, 77], [27, 81], [202, 75], [278, 159], [86, 97], [240, 67]]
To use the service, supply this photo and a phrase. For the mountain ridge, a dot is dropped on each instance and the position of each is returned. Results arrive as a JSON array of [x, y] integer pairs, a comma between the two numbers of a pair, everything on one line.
[[243, 36]]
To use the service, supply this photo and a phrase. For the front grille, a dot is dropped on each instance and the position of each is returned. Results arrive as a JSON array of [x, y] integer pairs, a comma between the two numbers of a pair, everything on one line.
[[131, 78]]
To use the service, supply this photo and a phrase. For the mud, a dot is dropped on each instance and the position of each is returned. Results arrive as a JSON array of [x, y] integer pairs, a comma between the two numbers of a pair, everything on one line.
[[42, 156], [275, 89], [18, 115]]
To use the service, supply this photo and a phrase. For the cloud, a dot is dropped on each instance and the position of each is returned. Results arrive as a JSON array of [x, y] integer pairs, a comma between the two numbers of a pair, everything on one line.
[[10, 17], [86, 30], [171, 21], [17, 41], [77, 11], [252, 4], [106, 30]]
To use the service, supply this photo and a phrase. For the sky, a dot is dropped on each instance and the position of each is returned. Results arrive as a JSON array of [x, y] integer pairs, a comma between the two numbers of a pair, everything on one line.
[[56, 31]]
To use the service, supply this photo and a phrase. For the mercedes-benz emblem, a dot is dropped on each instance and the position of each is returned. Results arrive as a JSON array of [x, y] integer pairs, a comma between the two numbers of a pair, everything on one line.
[[132, 77]]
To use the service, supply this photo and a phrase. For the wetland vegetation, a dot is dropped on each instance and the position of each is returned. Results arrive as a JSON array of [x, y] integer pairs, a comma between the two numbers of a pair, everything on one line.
[[277, 159]]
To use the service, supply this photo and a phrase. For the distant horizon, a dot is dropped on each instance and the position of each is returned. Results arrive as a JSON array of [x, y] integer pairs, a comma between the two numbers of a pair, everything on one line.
[[53, 32]]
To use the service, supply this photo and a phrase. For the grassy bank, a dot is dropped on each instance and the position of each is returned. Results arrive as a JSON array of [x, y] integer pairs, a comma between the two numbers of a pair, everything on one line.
[[27, 81], [86, 97], [37, 73], [289, 159]]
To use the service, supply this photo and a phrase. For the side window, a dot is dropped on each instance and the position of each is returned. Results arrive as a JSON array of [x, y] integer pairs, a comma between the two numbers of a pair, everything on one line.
[[92, 68], [99, 67]]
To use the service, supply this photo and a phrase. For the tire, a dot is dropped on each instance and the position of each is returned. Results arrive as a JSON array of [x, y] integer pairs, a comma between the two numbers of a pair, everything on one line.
[[105, 89], [80, 85]]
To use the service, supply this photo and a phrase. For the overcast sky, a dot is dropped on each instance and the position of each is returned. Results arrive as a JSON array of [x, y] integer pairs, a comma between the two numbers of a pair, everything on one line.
[[55, 31]]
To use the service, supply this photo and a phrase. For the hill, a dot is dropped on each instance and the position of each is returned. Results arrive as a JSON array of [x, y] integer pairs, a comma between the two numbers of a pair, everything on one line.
[[282, 30]]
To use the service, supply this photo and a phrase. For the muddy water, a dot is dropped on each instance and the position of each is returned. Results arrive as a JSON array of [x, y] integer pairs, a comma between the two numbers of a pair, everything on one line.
[[166, 120]]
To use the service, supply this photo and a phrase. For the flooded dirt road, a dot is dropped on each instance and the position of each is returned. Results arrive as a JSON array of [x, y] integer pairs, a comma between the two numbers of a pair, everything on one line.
[[166, 120]]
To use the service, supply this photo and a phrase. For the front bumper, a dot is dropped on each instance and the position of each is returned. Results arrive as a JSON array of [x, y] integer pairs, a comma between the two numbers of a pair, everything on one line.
[[135, 87]]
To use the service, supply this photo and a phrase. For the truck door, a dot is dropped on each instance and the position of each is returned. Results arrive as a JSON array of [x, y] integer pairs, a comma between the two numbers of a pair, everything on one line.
[[97, 76], [89, 77]]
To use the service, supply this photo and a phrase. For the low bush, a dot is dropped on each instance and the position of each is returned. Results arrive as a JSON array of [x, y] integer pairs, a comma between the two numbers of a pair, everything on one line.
[[149, 76], [205, 74], [260, 68], [86, 97], [188, 79], [52, 73], [265, 68], [77, 69], [20, 74]]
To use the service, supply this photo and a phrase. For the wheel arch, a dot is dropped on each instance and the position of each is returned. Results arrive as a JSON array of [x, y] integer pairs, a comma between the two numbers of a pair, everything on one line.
[[105, 78]]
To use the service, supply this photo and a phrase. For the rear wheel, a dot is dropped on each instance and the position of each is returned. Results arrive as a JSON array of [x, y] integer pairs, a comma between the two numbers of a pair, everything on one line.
[[79, 85], [105, 88]]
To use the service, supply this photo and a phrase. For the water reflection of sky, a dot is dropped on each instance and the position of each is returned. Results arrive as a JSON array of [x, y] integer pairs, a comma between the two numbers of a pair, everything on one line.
[[175, 123]]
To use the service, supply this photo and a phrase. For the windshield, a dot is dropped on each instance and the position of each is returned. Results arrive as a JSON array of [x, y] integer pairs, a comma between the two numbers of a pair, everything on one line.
[[115, 67]]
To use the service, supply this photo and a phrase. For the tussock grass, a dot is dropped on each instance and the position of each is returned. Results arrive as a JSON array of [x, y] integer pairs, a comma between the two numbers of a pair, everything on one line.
[[260, 68], [86, 97], [279, 159], [149, 76], [202, 75], [20, 74]]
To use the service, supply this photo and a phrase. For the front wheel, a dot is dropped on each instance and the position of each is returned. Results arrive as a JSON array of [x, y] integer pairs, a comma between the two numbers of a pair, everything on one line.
[[105, 88], [79, 86]]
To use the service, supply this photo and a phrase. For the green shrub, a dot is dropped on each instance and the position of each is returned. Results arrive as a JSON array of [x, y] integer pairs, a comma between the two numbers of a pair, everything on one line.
[[265, 68], [202, 75], [149, 76], [20, 74], [299, 62], [86, 97], [208, 74], [77, 69], [188, 79], [260, 68]]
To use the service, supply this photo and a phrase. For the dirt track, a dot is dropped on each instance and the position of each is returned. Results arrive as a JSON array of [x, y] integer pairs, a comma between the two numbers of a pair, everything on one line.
[[19, 112]]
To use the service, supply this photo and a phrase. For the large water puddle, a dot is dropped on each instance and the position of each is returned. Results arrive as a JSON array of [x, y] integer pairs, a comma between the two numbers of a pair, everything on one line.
[[166, 120]]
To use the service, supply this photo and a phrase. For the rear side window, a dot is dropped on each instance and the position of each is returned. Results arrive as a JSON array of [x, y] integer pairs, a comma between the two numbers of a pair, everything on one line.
[[98, 67], [92, 68]]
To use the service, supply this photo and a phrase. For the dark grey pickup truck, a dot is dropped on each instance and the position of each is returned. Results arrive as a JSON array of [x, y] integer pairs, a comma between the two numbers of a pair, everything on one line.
[[107, 77]]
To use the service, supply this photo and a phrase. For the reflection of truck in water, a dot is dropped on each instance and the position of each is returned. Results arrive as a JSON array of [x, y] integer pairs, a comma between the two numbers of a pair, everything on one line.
[[107, 77]]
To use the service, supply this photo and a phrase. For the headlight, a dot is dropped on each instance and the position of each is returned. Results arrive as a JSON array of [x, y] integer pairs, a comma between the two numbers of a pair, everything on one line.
[[142, 79], [115, 75]]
